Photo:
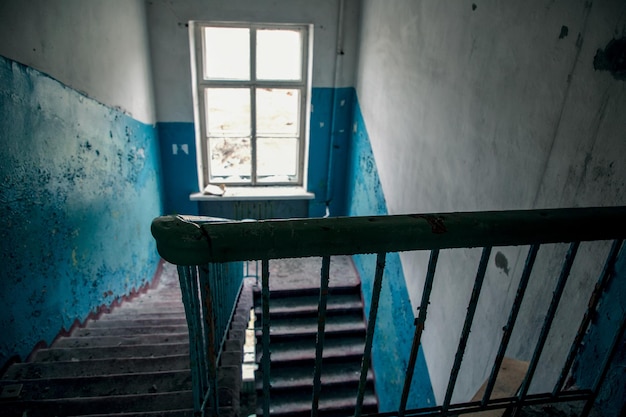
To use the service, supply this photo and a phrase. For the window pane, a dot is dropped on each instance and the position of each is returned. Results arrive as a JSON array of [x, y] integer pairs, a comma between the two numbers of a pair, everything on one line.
[[227, 111], [230, 159], [277, 159], [226, 53], [278, 54], [277, 111]]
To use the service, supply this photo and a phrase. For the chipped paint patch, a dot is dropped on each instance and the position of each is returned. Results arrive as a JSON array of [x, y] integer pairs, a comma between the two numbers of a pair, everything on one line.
[[68, 162]]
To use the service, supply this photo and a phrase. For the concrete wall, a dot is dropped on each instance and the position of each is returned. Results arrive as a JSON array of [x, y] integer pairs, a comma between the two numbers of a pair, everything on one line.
[[488, 106], [99, 48], [80, 177], [169, 41]]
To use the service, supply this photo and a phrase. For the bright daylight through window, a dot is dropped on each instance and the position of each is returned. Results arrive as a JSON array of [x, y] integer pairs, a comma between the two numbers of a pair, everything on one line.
[[251, 95]]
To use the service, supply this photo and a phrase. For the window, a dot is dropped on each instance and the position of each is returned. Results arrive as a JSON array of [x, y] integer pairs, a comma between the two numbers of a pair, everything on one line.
[[250, 96]]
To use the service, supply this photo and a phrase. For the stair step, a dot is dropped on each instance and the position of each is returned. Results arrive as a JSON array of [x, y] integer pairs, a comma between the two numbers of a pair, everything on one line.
[[303, 352], [91, 386], [95, 367], [137, 351], [307, 327], [313, 290], [101, 341], [128, 331], [336, 402], [146, 322], [167, 413], [308, 306], [289, 378], [139, 315], [112, 404]]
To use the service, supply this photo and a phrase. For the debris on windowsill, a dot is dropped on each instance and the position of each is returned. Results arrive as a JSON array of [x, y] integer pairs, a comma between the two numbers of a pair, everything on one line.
[[213, 189]]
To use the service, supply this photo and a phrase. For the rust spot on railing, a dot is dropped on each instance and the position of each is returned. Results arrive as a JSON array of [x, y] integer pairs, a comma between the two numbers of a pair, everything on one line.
[[436, 222]]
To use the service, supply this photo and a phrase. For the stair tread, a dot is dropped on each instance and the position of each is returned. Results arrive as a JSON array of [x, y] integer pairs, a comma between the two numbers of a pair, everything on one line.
[[332, 374], [335, 400], [308, 304], [134, 351], [128, 331], [102, 385], [174, 400], [93, 367], [129, 322], [341, 348], [309, 326], [101, 341]]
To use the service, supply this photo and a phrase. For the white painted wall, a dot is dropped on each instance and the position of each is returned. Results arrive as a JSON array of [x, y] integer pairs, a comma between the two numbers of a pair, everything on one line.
[[97, 47], [169, 41], [490, 109]]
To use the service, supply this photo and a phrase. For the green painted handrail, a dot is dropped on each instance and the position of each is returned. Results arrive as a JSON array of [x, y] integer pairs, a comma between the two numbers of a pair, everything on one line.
[[193, 240]]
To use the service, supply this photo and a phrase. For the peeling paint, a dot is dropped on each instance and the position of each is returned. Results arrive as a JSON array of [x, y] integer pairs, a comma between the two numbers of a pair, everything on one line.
[[394, 328], [61, 180]]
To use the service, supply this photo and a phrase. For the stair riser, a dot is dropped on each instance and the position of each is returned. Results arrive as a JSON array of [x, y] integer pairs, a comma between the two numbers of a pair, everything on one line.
[[105, 386], [128, 331], [178, 321], [121, 341], [95, 367], [140, 351], [113, 404]]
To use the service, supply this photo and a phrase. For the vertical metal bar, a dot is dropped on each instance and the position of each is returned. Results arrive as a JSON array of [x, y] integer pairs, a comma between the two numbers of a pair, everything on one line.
[[185, 277], [545, 329], [321, 326], [265, 360], [508, 328], [591, 308], [206, 275], [419, 328], [371, 325], [469, 318], [617, 340]]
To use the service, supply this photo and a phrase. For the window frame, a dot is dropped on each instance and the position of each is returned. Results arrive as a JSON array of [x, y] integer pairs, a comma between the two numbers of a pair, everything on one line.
[[199, 83]]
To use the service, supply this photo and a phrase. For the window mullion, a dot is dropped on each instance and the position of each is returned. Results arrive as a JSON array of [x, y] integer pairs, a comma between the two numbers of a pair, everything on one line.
[[253, 143]]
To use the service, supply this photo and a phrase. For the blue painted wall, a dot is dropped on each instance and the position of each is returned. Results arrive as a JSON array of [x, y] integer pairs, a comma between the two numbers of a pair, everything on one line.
[[177, 144], [79, 186], [611, 310], [394, 325], [179, 169]]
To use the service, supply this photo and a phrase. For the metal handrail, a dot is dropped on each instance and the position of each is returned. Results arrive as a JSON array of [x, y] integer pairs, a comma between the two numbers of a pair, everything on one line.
[[196, 241], [184, 240]]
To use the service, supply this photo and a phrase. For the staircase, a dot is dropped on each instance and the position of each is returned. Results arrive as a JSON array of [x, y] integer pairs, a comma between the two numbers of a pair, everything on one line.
[[294, 285], [132, 361]]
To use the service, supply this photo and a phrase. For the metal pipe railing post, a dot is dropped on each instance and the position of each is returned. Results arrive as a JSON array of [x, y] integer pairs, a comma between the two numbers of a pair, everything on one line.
[[547, 324], [469, 318], [321, 326], [508, 328], [599, 288], [369, 336], [419, 328], [265, 361]]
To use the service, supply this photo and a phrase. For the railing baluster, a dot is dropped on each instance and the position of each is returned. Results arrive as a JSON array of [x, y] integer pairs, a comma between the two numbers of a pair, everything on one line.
[[508, 328], [545, 329], [591, 308], [371, 325], [419, 328], [265, 361], [469, 318], [206, 281], [617, 340], [186, 276], [321, 325]]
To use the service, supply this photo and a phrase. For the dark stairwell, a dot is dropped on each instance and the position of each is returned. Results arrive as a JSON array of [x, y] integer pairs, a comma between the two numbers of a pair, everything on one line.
[[131, 361], [295, 292]]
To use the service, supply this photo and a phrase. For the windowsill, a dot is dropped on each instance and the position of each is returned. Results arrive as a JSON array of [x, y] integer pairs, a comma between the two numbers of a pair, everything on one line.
[[256, 193]]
